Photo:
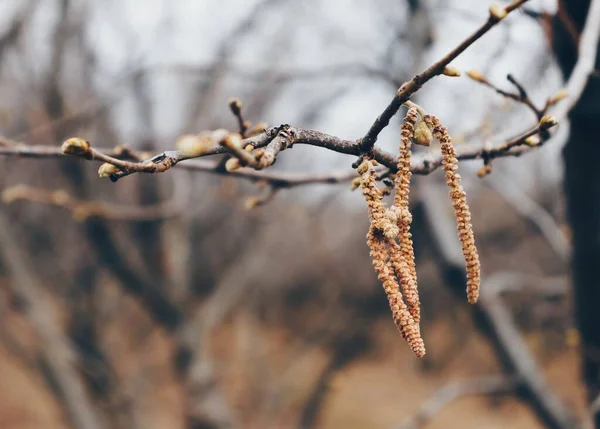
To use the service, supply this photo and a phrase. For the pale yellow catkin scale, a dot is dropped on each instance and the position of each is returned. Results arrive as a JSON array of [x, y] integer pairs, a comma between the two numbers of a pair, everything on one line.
[[355, 184], [404, 254], [373, 196], [461, 208], [407, 280]]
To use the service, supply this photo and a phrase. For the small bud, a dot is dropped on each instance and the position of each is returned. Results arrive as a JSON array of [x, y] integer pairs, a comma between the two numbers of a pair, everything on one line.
[[355, 184], [232, 164], [484, 171], [252, 203], [547, 122], [107, 169], [76, 146], [451, 71], [259, 154], [235, 104], [249, 148], [422, 135], [558, 97], [257, 129], [231, 141], [477, 76], [532, 141], [497, 12], [221, 134], [195, 145]]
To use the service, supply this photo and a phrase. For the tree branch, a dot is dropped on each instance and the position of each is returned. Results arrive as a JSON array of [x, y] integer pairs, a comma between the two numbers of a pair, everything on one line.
[[57, 355], [409, 88], [455, 390]]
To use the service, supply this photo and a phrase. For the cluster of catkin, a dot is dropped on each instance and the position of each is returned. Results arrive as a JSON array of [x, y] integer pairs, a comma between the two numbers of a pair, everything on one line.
[[389, 237]]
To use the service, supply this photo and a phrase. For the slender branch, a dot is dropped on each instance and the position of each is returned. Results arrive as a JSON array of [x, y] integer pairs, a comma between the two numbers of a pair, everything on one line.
[[276, 139], [494, 320], [422, 163], [409, 88], [452, 391], [520, 97], [56, 353], [82, 210]]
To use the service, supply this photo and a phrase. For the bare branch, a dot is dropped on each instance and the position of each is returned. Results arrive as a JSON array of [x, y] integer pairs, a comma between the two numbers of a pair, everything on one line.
[[422, 163], [452, 391], [495, 321], [82, 210], [56, 352], [409, 88]]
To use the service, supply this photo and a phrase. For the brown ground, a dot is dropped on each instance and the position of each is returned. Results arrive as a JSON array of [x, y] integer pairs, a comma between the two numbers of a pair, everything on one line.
[[269, 385]]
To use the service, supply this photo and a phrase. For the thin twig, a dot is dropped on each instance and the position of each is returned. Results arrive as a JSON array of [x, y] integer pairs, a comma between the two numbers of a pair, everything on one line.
[[409, 88], [56, 353], [494, 320], [422, 163], [83, 210], [490, 385]]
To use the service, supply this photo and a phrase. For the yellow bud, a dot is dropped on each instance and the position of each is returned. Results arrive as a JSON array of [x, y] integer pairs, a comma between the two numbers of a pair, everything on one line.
[[194, 145], [497, 12], [451, 71], [257, 129], [76, 146], [422, 135], [558, 97], [484, 171], [547, 122], [355, 184], [477, 76], [232, 164], [249, 148], [259, 154], [532, 141], [364, 167], [251, 203], [107, 169]]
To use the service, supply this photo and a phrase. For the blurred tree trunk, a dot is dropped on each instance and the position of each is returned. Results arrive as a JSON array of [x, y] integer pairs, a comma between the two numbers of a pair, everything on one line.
[[582, 187]]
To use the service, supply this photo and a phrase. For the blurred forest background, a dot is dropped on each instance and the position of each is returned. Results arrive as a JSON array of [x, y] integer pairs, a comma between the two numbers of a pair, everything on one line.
[[177, 306]]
